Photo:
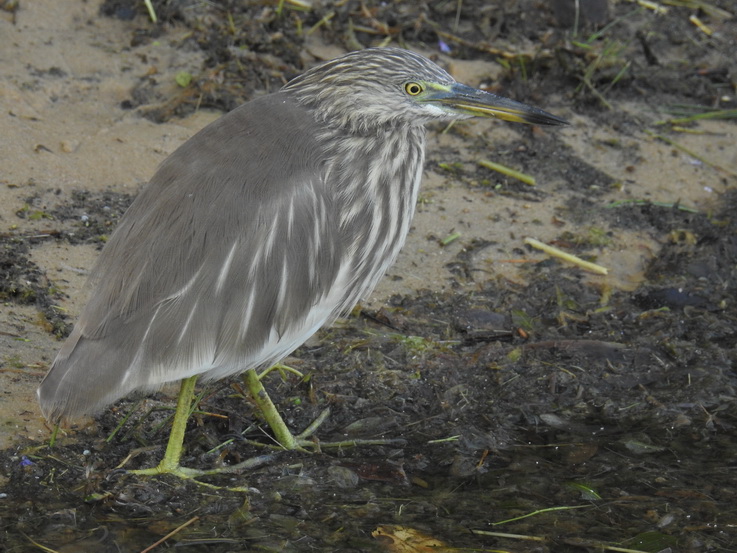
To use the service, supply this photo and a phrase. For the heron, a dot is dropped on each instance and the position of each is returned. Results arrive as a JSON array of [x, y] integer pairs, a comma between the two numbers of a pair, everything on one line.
[[265, 226]]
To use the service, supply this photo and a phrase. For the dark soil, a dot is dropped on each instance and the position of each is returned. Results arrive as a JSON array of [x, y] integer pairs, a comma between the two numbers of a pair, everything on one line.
[[512, 399]]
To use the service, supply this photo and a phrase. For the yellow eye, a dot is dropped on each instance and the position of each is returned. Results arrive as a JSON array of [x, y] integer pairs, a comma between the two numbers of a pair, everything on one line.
[[413, 89]]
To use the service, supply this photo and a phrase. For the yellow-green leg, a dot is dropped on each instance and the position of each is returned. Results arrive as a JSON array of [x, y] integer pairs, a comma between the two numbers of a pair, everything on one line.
[[282, 433], [170, 463], [269, 412]]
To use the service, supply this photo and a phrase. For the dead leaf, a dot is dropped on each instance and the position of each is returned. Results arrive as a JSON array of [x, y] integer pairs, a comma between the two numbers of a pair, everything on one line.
[[401, 539]]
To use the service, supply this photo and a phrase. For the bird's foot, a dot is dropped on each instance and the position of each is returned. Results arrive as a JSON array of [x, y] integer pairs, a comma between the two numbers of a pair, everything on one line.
[[305, 442], [191, 474]]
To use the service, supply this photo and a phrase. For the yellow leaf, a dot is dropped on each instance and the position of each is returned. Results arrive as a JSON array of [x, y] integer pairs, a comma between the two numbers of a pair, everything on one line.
[[401, 539]]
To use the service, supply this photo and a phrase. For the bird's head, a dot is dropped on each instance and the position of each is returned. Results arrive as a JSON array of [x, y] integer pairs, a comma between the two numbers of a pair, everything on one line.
[[380, 87]]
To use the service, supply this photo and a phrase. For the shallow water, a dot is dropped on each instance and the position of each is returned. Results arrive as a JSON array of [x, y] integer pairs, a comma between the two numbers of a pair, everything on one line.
[[656, 488]]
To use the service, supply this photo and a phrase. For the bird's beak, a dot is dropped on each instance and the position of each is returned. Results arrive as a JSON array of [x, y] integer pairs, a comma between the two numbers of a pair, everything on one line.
[[464, 99]]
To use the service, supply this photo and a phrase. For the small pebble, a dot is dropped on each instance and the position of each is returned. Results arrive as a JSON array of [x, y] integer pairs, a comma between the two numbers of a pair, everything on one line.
[[69, 146]]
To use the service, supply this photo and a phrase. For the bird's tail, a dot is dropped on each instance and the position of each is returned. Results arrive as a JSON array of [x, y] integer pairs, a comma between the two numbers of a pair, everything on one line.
[[80, 381]]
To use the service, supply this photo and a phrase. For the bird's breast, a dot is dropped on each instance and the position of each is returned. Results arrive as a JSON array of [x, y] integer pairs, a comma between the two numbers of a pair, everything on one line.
[[375, 180]]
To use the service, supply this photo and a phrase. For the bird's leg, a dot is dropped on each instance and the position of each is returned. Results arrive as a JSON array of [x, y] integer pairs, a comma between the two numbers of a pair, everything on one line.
[[282, 433], [302, 438], [170, 463], [269, 412]]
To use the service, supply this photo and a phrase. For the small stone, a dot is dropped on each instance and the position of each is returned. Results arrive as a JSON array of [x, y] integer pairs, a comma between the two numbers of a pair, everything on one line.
[[69, 146]]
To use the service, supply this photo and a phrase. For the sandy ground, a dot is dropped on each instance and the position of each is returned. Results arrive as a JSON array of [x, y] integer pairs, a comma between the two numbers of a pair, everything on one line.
[[64, 72]]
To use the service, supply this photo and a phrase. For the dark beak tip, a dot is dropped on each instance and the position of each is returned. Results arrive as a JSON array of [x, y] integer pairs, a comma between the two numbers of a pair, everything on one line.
[[547, 119]]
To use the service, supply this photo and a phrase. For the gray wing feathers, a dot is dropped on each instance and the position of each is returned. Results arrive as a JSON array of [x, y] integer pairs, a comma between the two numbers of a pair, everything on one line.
[[228, 246]]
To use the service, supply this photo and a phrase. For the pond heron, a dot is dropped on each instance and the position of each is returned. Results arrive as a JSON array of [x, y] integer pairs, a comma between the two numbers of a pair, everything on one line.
[[264, 226]]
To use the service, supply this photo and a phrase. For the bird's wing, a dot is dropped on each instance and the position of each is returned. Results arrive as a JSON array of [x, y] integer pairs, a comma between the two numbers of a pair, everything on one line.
[[217, 265]]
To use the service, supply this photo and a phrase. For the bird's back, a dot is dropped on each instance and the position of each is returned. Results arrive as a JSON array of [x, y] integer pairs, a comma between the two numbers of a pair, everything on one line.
[[214, 267]]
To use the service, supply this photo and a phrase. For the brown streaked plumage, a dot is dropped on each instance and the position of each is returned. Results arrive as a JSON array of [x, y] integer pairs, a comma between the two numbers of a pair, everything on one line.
[[263, 227]]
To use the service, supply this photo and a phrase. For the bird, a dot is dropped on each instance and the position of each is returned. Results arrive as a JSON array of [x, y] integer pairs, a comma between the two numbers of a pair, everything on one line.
[[263, 227]]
